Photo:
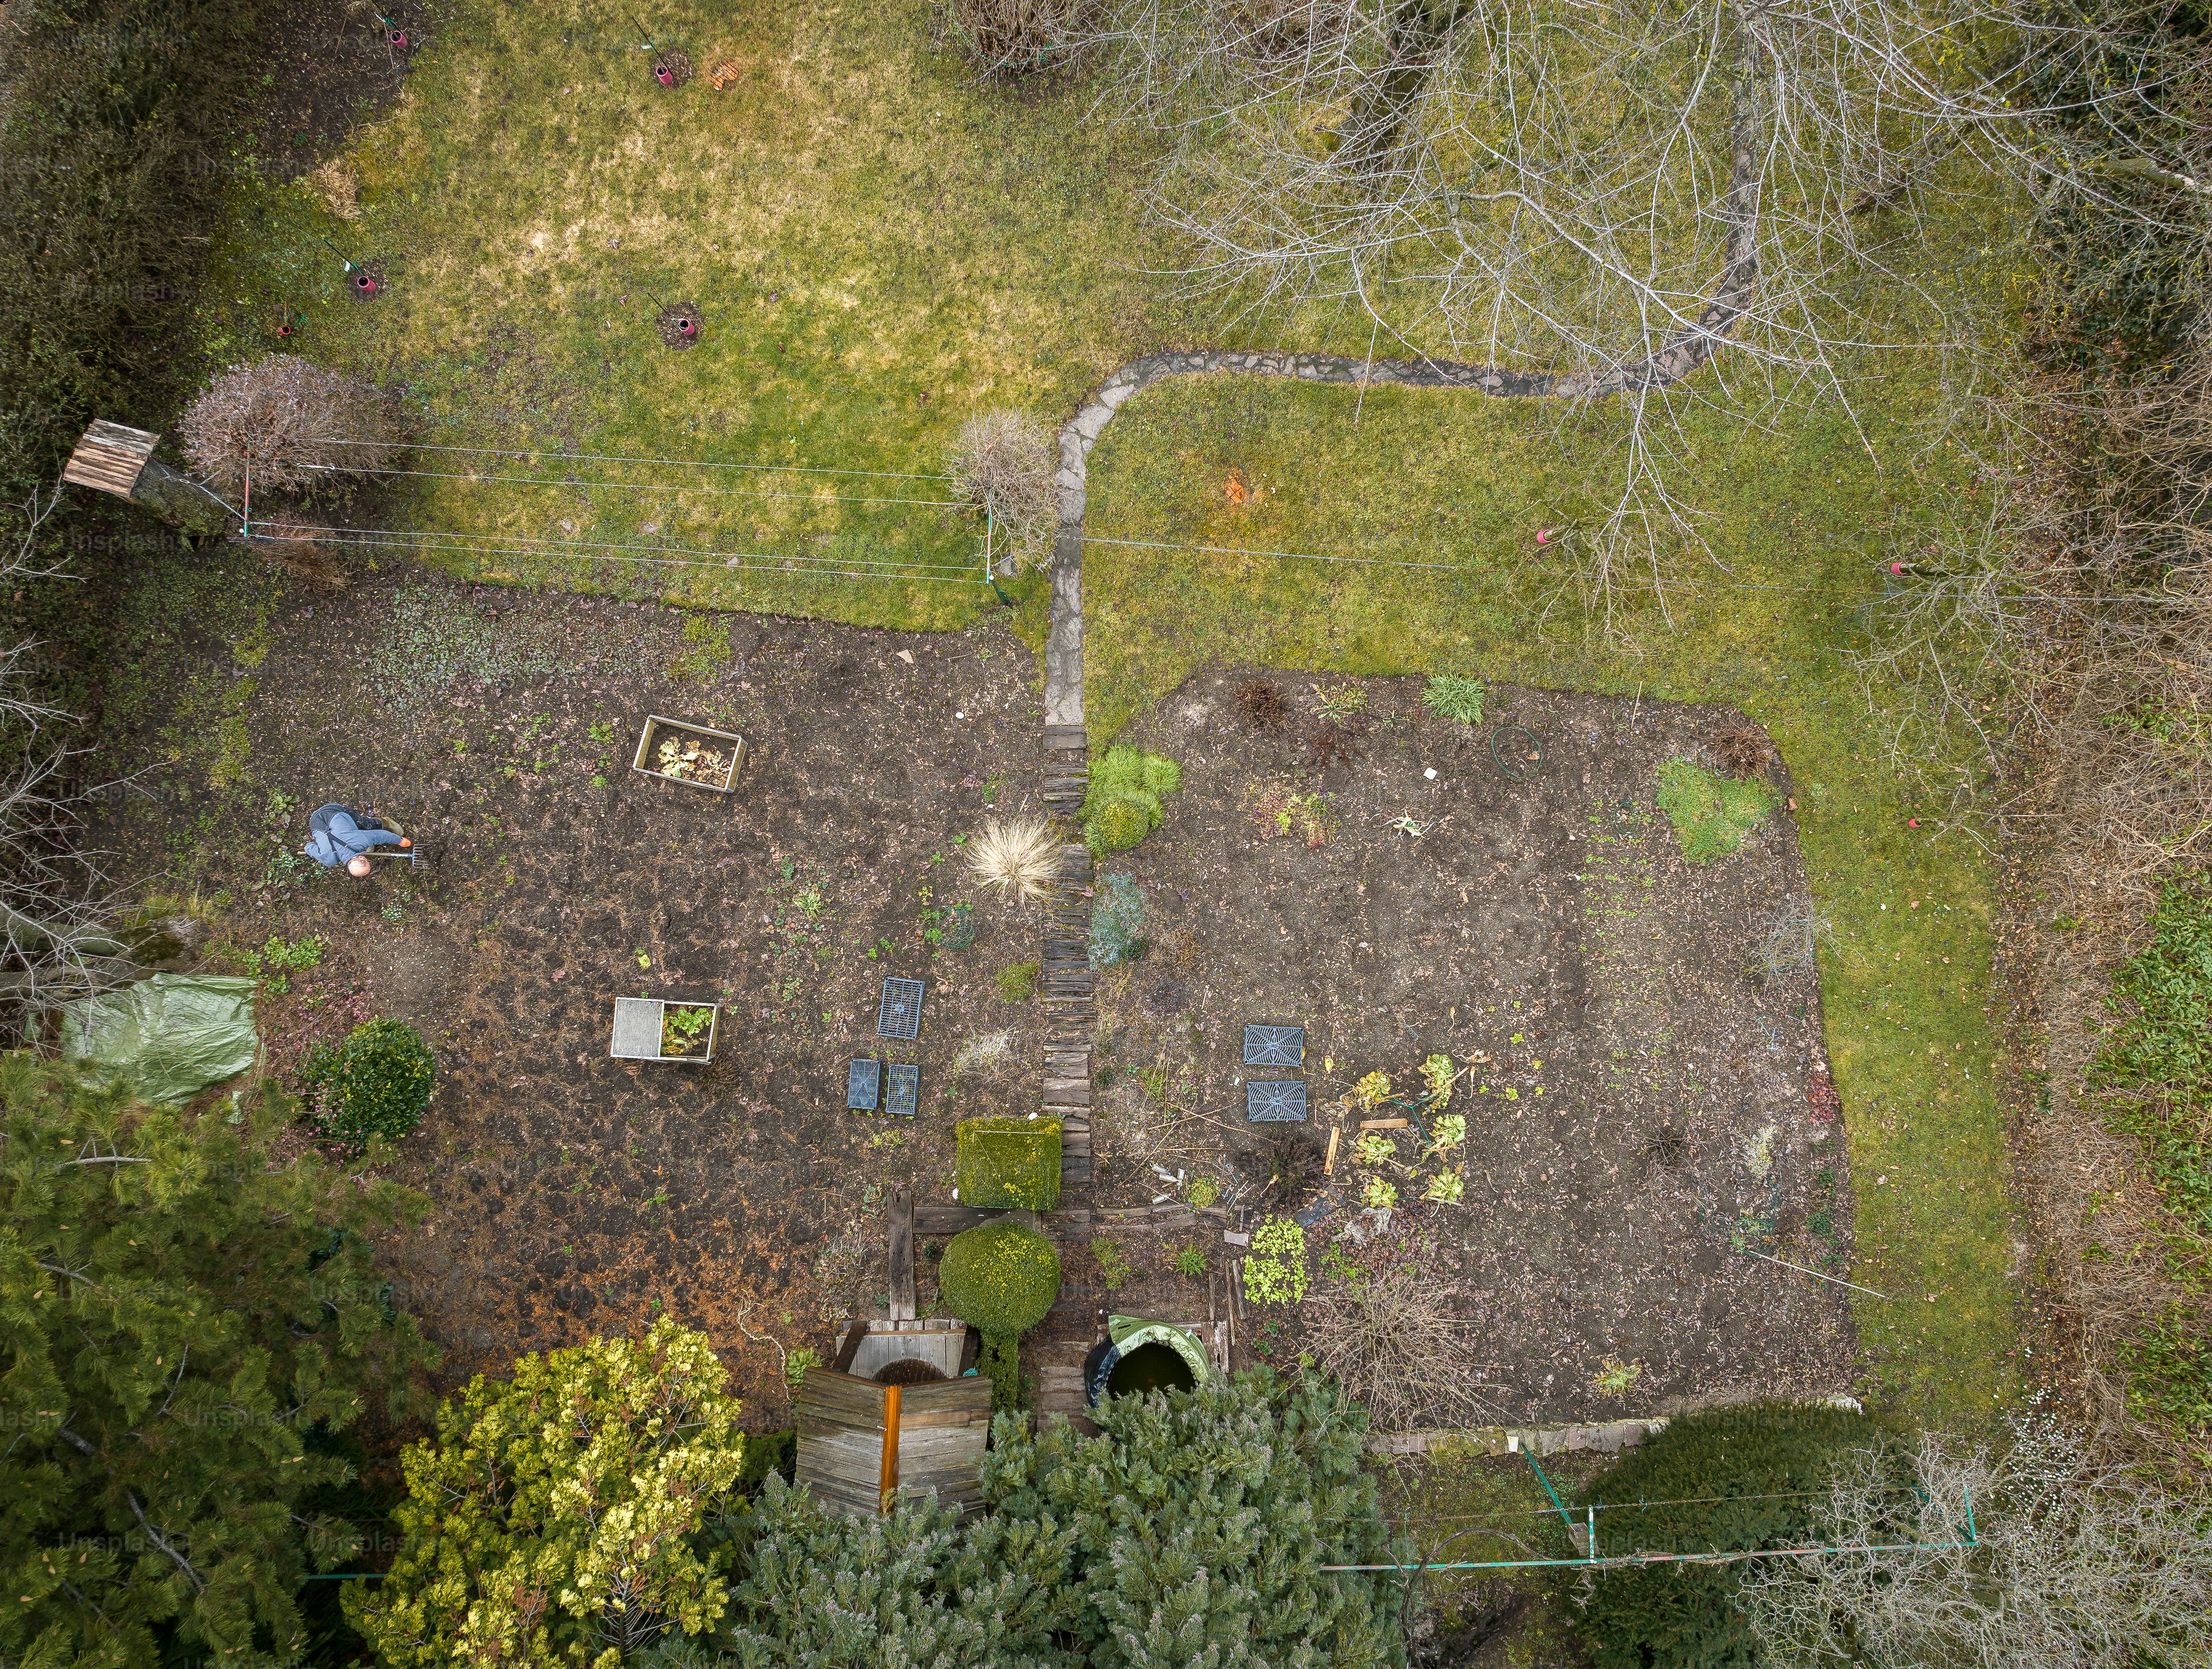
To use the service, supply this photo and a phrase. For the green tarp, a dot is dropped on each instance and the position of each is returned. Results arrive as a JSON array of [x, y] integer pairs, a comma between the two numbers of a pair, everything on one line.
[[171, 1035], [1128, 1332]]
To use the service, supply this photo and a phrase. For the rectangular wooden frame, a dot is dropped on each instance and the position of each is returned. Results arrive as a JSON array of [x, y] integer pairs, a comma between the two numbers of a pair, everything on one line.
[[661, 1005], [728, 784]]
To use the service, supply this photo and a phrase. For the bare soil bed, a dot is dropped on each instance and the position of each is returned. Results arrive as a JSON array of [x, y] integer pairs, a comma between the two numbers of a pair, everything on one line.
[[574, 1194], [1648, 1107]]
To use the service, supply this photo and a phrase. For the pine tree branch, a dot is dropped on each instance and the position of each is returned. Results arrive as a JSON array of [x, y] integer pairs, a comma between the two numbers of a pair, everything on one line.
[[81, 1444], [175, 1382], [159, 1541]]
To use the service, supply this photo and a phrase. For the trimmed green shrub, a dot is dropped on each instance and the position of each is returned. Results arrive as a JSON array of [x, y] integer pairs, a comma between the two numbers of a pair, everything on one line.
[[1711, 813], [1456, 697], [1122, 820], [1769, 1463], [376, 1084], [1005, 1164], [1000, 1278], [1123, 806], [1017, 983], [999, 1361], [1117, 922]]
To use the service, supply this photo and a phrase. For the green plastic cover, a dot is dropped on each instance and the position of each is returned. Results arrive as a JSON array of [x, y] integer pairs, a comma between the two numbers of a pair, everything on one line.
[[1128, 1332], [171, 1035]]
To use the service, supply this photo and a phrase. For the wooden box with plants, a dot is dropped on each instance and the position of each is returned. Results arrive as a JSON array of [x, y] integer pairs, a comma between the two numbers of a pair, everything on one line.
[[655, 1028], [696, 754]]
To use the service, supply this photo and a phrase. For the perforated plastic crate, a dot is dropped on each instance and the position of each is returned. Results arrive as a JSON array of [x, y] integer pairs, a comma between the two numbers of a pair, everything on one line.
[[1275, 1046], [1275, 1101], [863, 1079], [899, 1016], [902, 1090]]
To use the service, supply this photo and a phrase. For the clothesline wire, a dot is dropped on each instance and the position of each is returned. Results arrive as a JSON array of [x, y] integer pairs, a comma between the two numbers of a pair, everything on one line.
[[740, 562], [619, 457], [632, 486]]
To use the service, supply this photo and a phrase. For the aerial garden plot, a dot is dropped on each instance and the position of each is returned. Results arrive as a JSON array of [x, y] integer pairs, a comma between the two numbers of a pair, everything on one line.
[[856, 762]]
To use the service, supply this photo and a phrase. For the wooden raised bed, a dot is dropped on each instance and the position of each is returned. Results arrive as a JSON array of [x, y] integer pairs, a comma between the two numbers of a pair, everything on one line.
[[644, 1030], [697, 756]]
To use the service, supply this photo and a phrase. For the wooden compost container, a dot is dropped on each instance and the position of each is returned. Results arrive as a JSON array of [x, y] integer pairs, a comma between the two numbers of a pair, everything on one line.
[[862, 1445], [659, 730]]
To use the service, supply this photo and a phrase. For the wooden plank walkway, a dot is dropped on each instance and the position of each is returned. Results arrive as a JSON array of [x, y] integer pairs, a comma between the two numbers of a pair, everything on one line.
[[1070, 1013]]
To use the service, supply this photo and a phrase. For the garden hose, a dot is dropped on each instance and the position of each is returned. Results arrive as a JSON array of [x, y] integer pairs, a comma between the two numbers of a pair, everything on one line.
[[1535, 750]]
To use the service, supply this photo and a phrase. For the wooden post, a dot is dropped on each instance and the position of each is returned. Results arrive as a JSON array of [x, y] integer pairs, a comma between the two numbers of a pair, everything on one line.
[[888, 1491], [902, 1254]]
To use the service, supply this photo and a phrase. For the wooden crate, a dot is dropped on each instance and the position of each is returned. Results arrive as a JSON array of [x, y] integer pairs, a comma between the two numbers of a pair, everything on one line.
[[658, 729], [862, 1445]]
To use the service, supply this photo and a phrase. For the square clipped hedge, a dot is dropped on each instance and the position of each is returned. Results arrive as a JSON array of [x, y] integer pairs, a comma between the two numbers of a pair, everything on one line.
[[1009, 1164]]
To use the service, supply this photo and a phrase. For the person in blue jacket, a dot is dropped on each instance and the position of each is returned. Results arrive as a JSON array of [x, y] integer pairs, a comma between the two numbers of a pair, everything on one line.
[[336, 835]]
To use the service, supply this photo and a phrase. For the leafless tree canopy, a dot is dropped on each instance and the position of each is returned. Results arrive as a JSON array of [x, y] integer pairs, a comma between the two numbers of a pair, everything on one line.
[[2077, 1565], [58, 912], [1002, 463], [286, 424], [1594, 195]]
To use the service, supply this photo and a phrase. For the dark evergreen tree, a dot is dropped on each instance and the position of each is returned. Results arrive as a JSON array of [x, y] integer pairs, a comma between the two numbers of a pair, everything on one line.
[[1192, 1531], [1727, 1479], [187, 1327]]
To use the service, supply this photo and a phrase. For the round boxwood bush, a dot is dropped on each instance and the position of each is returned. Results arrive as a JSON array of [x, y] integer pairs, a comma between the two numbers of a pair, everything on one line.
[[377, 1083], [1000, 1277]]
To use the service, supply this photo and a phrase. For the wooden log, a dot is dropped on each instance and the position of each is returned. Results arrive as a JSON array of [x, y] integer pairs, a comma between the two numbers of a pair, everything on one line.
[[902, 1254]]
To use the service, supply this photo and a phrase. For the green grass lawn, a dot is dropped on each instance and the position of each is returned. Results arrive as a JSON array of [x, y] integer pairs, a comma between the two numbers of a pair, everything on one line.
[[881, 249]]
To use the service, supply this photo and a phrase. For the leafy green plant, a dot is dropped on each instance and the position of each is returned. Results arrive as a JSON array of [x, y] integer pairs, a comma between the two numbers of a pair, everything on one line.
[[682, 1025], [1374, 1148], [1017, 983], [1203, 1191], [1276, 1266], [274, 962], [1190, 1262], [797, 1362], [1117, 922], [497, 1560], [375, 1084], [1447, 1132], [1371, 1091], [1378, 1193], [1713, 813], [1456, 697], [1615, 1378], [1438, 1073], [1007, 1164], [1340, 702], [1279, 809], [1114, 1267], [1123, 804], [1447, 1187]]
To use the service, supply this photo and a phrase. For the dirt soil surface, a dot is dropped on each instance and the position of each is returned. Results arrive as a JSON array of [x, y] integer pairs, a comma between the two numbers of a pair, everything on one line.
[[1646, 1106], [572, 1193]]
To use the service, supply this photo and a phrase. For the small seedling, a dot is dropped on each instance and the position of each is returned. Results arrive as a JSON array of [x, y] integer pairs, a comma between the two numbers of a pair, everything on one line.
[[1114, 1266], [1614, 1378]]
